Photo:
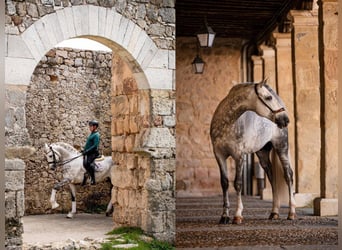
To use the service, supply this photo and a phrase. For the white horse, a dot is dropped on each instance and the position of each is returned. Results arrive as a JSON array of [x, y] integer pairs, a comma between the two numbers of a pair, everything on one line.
[[71, 161], [251, 119]]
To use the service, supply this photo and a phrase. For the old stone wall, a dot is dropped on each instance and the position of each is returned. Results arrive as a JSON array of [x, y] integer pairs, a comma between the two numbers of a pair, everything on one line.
[[144, 185], [69, 87], [197, 98], [14, 202], [155, 17]]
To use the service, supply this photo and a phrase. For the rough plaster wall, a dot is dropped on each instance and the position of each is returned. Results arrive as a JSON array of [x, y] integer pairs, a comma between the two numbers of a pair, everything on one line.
[[68, 88], [197, 97]]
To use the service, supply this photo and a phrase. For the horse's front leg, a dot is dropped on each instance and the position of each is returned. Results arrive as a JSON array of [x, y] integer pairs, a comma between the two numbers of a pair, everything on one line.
[[224, 184], [73, 201], [238, 186], [55, 188]]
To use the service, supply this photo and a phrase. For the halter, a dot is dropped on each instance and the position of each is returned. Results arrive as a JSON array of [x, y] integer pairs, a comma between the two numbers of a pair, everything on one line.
[[273, 111], [60, 163]]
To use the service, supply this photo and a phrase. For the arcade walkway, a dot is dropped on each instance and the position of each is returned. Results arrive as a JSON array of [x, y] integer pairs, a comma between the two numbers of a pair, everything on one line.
[[198, 228]]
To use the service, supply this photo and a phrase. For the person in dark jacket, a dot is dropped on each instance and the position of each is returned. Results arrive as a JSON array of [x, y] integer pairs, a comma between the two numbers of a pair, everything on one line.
[[91, 151]]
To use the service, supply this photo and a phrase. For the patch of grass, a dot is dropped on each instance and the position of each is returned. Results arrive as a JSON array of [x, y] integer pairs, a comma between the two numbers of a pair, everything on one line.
[[134, 235]]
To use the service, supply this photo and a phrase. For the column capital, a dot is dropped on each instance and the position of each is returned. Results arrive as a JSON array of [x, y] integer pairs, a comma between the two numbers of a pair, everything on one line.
[[304, 17], [256, 59], [282, 39], [267, 51]]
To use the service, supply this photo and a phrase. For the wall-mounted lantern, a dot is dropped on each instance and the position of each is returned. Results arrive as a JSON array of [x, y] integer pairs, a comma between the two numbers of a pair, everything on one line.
[[206, 35], [198, 65]]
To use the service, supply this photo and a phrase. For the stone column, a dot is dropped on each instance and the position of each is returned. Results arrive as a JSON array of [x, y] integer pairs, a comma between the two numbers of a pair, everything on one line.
[[285, 84], [268, 55], [307, 105], [258, 185], [327, 204]]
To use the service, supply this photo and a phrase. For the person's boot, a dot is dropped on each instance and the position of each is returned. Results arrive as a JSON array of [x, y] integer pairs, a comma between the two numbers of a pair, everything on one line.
[[85, 177], [92, 174]]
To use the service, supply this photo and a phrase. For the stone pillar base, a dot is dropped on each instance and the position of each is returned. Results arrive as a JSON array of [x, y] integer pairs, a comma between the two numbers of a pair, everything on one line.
[[325, 207], [305, 199]]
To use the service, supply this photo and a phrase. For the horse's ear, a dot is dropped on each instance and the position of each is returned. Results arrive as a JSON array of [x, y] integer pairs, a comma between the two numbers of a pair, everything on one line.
[[263, 82], [46, 147]]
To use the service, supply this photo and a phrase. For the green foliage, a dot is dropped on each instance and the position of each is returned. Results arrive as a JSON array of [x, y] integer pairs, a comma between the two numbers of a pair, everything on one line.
[[134, 235]]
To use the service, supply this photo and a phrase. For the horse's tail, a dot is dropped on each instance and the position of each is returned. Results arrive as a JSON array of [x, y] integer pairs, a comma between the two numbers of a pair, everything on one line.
[[279, 182]]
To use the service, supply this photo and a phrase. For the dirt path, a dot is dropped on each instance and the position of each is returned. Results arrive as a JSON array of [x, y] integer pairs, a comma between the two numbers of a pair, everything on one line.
[[56, 227]]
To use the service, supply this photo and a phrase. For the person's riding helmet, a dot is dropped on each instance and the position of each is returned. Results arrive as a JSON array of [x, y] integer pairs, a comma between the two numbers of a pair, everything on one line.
[[94, 123]]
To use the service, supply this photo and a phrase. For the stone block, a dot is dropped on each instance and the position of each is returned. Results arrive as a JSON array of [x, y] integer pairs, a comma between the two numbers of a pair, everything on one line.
[[143, 37], [17, 47], [34, 42], [159, 138], [109, 18], [69, 17], [10, 204], [172, 59], [160, 60], [134, 38], [19, 75], [81, 17], [325, 207], [102, 21], [305, 199], [52, 24], [93, 19], [159, 78], [14, 180], [19, 152], [129, 143], [113, 32], [128, 34], [122, 30]]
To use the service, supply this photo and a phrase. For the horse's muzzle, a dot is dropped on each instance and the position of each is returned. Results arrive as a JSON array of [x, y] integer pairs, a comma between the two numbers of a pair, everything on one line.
[[282, 120]]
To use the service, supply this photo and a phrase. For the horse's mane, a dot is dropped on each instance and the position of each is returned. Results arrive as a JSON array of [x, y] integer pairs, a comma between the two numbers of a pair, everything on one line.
[[66, 146]]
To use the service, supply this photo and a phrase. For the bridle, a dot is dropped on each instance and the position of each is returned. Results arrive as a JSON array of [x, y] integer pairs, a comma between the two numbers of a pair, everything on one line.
[[60, 163], [273, 111]]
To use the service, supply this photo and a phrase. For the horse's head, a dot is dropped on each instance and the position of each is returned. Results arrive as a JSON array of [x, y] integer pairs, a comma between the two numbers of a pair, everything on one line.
[[270, 105], [52, 156]]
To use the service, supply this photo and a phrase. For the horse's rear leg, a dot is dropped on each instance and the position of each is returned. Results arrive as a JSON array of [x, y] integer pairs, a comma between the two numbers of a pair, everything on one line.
[[288, 175], [224, 184], [238, 185], [109, 207], [264, 158], [71, 214]]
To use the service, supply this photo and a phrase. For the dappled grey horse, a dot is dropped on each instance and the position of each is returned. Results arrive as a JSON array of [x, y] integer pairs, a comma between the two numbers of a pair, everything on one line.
[[71, 161], [251, 119]]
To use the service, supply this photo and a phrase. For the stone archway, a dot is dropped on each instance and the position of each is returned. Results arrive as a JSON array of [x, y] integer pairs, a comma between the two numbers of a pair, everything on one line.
[[152, 66]]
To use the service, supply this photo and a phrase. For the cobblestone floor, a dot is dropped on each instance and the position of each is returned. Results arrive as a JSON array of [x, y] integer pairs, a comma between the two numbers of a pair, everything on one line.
[[198, 228]]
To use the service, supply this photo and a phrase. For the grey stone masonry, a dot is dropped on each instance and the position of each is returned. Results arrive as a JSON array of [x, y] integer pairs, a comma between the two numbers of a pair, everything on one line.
[[14, 202], [157, 18]]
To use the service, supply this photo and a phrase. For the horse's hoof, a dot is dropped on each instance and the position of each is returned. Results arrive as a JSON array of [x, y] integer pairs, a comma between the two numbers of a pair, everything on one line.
[[54, 205], [224, 220], [273, 216], [291, 216], [237, 220], [70, 216]]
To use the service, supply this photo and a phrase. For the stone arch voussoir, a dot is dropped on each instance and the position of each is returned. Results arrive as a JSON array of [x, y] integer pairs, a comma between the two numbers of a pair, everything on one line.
[[153, 67]]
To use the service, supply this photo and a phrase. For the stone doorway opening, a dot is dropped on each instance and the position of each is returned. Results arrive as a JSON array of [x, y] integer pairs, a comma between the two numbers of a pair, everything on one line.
[[68, 88]]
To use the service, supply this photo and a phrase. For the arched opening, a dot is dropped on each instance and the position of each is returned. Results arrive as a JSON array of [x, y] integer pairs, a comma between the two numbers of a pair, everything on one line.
[[68, 88]]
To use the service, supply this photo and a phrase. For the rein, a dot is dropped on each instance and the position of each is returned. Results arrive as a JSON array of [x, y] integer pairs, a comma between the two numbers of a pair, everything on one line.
[[273, 111], [60, 163]]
